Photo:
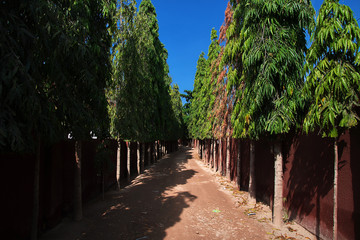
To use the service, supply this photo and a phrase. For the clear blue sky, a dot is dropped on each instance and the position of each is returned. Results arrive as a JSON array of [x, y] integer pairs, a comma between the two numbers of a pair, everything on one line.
[[185, 26]]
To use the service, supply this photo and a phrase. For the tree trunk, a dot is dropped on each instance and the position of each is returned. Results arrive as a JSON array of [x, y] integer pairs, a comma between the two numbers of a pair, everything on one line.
[[238, 167], [77, 184], [142, 157], [211, 154], [336, 174], [202, 149], [148, 153], [118, 165], [160, 149], [138, 160], [228, 174], [153, 148], [163, 149], [128, 161], [198, 146], [252, 183], [220, 157], [278, 185], [205, 152], [200, 153], [214, 155], [103, 183], [35, 213], [156, 150]]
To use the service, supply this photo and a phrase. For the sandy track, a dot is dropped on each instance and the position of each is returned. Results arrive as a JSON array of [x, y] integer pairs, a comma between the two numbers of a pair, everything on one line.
[[174, 199]]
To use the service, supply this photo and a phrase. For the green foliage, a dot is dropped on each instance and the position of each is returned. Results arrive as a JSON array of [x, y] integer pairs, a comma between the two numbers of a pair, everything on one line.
[[186, 111], [142, 107], [20, 104], [333, 80], [272, 55], [201, 108], [200, 76], [208, 89], [177, 123], [54, 68], [128, 79]]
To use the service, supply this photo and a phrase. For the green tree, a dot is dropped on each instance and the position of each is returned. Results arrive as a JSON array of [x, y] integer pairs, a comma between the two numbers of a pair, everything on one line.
[[224, 96], [268, 99], [178, 121], [156, 69], [141, 107], [128, 79], [130, 91], [186, 112], [333, 80], [200, 76], [55, 72], [207, 97]]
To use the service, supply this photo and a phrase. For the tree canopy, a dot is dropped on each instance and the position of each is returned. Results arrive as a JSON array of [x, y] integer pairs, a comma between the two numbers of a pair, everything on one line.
[[54, 69], [143, 102], [332, 67]]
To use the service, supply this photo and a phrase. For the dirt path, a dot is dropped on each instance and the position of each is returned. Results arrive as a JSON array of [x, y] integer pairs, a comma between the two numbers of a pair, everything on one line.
[[174, 199]]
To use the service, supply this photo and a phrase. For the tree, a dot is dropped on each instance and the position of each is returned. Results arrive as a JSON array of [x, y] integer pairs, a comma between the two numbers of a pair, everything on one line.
[[188, 95], [128, 79], [55, 73], [141, 105], [156, 69], [195, 104], [178, 121], [273, 56], [223, 105], [333, 80], [206, 92]]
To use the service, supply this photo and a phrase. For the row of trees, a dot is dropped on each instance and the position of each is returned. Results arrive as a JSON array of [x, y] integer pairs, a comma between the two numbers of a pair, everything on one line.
[[261, 81], [144, 106], [82, 68]]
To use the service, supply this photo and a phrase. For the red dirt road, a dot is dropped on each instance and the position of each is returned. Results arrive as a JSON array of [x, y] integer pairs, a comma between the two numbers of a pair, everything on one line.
[[174, 199]]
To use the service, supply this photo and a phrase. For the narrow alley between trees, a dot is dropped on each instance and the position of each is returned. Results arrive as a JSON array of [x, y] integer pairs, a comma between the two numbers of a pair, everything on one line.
[[177, 198]]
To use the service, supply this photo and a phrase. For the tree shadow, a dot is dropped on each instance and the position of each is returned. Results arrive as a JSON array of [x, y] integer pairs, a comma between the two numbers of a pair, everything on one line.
[[309, 179], [152, 203], [355, 170]]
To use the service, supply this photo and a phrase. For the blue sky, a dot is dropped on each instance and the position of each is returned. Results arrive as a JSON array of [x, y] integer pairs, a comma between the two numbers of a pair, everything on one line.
[[185, 26]]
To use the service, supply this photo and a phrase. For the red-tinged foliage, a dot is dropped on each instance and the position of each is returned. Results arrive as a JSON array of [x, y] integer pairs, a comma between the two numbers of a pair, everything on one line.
[[226, 24], [214, 69], [222, 76], [224, 100]]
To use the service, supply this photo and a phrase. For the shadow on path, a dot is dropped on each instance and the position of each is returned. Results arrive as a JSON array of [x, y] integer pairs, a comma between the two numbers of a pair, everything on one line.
[[145, 208]]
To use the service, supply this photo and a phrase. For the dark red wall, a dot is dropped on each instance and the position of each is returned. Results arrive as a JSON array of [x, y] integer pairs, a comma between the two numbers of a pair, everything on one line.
[[308, 182], [264, 172], [56, 185], [308, 179], [355, 180], [244, 164], [16, 182], [234, 146], [123, 160]]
